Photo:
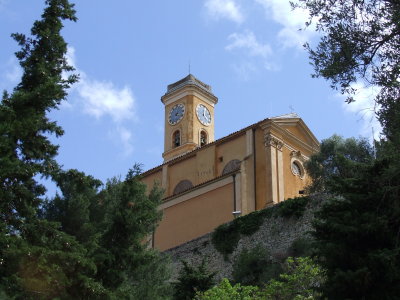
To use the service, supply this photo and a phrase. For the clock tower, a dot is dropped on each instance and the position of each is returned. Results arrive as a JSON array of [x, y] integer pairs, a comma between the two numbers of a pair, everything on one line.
[[189, 116]]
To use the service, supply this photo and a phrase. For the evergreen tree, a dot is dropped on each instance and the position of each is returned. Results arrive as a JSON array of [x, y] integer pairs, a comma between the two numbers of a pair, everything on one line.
[[24, 146], [38, 260], [113, 223], [89, 242], [338, 159], [357, 233], [129, 218], [255, 267], [192, 280]]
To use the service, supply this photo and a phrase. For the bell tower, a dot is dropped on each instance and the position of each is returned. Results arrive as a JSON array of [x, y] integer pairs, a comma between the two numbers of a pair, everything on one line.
[[189, 116]]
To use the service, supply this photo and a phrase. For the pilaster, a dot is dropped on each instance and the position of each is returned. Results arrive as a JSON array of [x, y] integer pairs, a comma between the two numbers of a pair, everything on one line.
[[275, 178]]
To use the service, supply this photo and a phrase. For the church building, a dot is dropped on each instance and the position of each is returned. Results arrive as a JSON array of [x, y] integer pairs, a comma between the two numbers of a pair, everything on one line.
[[209, 182]]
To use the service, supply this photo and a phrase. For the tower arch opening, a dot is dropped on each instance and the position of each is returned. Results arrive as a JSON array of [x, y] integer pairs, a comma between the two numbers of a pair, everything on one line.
[[203, 138], [176, 138]]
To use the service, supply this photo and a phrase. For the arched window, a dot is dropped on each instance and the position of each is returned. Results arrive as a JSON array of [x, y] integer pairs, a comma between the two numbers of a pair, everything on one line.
[[182, 186], [176, 139], [203, 138], [231, 166]]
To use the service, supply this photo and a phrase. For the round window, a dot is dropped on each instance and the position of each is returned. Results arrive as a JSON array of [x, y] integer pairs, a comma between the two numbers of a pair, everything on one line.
[[296, 169]]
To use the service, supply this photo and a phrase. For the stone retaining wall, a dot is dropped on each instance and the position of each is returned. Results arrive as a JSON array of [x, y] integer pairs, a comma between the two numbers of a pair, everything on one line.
[[276, 234]]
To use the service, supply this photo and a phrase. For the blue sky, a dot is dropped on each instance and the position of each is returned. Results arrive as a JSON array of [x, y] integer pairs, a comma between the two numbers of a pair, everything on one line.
[[127, 52]]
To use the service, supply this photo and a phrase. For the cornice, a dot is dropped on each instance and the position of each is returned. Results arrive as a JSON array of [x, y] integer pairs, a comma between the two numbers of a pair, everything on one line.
[[271, 127], [189, 89]]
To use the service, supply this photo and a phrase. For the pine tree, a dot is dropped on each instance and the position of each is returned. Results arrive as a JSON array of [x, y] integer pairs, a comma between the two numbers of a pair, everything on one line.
[[24, 145], [356, 232], [129, 219], [191, 280], [113, 223], [38, 261], [89, 242]]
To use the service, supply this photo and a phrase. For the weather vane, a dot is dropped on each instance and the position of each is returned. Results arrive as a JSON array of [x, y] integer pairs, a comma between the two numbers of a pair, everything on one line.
[[291, 109]]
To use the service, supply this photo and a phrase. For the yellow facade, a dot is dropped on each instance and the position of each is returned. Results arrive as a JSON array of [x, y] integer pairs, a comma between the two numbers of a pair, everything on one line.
[[207, 185]]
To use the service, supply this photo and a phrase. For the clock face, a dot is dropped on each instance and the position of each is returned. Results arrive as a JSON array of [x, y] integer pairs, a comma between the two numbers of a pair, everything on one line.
[[176, 114], [203, 114]]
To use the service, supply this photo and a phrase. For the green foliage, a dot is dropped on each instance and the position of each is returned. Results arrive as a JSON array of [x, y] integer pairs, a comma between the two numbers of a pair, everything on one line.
[[301, 247], [74, 208], [226, 236], [293, 207], [255, 267], [25, 149], [114, 223], [225, 291], [151, 280], [129, 217], [192, 280], [356, 232], [249, 224], [89, 241], [338, 159], [300, 281], [357, 244], [38, 261], [359, 43]]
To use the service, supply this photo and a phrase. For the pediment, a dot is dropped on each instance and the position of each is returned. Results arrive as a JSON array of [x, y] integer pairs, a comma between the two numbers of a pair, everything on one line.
[[295, 127]]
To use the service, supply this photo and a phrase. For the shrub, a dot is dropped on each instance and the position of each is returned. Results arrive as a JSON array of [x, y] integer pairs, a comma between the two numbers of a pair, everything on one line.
[[255, 267], [301, 280], [301, 247], [250, 223], [225, 291], [226, 236], [192, 280], [293, 207]]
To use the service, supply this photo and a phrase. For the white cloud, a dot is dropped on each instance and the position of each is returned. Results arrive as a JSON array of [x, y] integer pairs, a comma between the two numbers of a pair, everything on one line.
[[291, 20], [244, 70], [126, 138], [364, 106], [120, 135], [253, 51], [249, 42], [70, 56], [102, 98], [228, 9]]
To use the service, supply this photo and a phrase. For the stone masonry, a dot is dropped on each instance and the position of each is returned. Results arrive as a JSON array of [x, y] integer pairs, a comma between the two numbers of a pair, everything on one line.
[[276, 234]]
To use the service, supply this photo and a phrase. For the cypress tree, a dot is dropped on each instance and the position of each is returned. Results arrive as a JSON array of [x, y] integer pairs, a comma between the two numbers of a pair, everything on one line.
[[38, 261]]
